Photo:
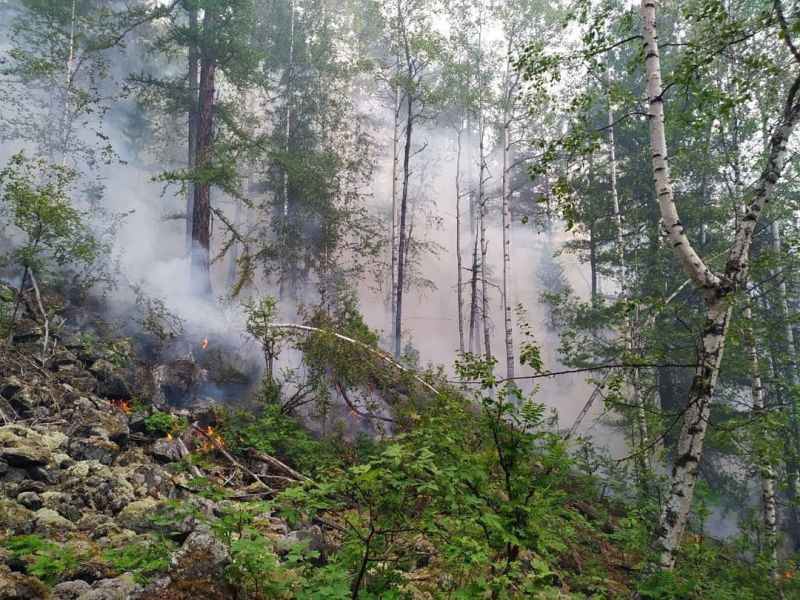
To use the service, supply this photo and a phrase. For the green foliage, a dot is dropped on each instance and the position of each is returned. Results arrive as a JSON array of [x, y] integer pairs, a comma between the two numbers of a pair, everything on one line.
[[45, 559], [163, 423], [36, 199], [145, 559]]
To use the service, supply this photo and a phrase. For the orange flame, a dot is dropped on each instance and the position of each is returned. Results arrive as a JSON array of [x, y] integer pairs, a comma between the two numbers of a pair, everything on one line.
[[212, 434], [169, 436], [122, 405], [204, 343]]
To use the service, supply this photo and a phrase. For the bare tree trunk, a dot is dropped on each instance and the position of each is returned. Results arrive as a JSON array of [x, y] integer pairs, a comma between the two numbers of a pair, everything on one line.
[[759, 412], [201, 211], [593, 262], [401, 243], [484, 244], [233, 266], [509, 331], [716, 289], [474, 339], [794, 382], [395, 176], [192, 126], [460, 276], [633, 380], [67, 87]]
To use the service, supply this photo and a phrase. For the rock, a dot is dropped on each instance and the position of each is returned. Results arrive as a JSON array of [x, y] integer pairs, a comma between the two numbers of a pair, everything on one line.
[[3, 467], [64, 504], [49, 521], [178, 379], [93, 448], [100, 487], [165, 451], [119, 588], [197, 571], [108, 423], [16, 586], [117, 386], [71, 590], [141, 516], [312, 536], [102, 369], [30, 500], [15, 519], [26, 456]]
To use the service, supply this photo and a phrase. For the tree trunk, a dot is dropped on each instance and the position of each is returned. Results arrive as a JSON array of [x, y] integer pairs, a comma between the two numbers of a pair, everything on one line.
[[794, 383], [68, 87], [401, 243], [509, 331], [716, 290], [201, 213], [763, 463], [460, 276], [628, 333], [192, 126], [484, 244], [593, 262], [474, 318], [395, 176]]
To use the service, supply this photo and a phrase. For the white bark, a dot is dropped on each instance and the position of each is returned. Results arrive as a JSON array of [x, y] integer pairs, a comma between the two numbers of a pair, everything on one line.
[[509, 331], [763, 463], [395, 188], [628, 333], [459, 260], [68, 86], [715, 289]]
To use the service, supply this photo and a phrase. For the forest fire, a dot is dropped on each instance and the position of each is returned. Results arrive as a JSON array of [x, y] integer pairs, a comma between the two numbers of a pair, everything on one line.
[[169, 437], [122, 405], [204, 343], [212, 438]]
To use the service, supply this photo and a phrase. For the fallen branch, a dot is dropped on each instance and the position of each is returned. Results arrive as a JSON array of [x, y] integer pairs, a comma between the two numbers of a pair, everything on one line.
[[584, 410], [350, 340], [232, 460], [183, 451], [277, 464]]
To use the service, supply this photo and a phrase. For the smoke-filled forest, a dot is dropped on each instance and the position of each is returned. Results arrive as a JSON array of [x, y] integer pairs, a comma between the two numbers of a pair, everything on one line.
[[399, 299]]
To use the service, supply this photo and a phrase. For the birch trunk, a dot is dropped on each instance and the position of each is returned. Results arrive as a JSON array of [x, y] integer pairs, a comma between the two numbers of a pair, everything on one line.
[[191, 81], [717, 290], [460, 277], [474, 339], [509, 331], [759, 412], [68, 87], [395, 177], [401, 242], [484, 243], [794, 382], [628, 333]]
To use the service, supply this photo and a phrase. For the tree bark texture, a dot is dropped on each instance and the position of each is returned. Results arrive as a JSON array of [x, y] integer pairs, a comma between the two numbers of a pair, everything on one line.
[[192, 127]]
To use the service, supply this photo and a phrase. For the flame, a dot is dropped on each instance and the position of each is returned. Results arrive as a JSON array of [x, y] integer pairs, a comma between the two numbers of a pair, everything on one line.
[[122, 405], [788, 575], [169, 436], [213, 435], [204, 343]]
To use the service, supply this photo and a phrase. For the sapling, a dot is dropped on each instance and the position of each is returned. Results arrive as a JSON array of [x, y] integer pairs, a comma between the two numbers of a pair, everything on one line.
[[35, 197]]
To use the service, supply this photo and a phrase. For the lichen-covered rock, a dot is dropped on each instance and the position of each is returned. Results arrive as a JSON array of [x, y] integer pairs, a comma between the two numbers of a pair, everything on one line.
[[99, 487], [49, 522], [66, 505], [197, 571], [149, 514], [93, 448], [16, 586], [30, 500], [25, 457], [71, 590], [118, 588], [15, 519]]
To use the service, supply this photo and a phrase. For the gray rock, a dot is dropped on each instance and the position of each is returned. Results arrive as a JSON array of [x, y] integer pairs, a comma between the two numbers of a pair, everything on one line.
[[165, 451], [93, 448], [49, 521], [71, 590], [140, 516], [119, 588], [26, 457], [30, 500]]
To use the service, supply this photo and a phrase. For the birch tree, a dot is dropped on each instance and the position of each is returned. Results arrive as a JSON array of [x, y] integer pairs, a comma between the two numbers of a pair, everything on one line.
[[716, 289]]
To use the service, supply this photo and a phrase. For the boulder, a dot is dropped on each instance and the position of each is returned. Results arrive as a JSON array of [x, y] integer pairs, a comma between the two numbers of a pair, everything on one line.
[[71, 590], [165, 451], [25, 457], [149, 514], [93, 448], [15, 519], [197, 571], [118, 588], [49, 522], [16, 586]]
